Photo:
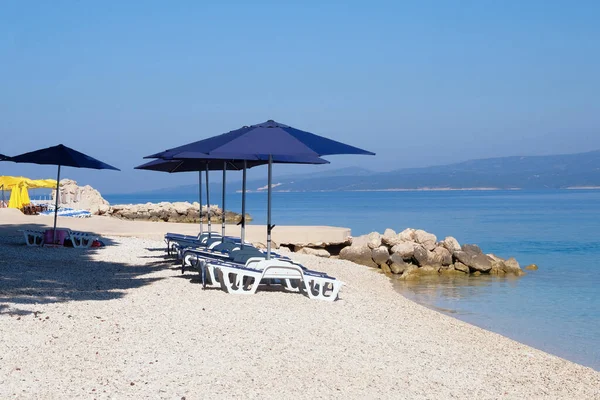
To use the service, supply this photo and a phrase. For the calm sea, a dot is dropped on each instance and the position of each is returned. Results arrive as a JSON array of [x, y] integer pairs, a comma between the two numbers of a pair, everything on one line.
[[556, 309]]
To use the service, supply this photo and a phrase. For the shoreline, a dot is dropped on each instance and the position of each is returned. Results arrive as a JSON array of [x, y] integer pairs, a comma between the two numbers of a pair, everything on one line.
[[382, 330]]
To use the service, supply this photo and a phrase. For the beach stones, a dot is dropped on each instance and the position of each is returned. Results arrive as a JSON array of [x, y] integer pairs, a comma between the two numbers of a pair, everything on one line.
[[531, 267]]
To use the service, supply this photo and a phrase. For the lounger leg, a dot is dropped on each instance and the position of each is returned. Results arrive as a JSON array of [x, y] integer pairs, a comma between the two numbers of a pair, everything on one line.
[[322, 288], [239, 285]]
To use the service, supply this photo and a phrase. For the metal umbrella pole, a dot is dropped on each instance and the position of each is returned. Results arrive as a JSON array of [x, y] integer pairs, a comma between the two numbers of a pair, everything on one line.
[[200, 200], [243, 221], [56, 204], [208, 202], [223, 209], [269, 226]]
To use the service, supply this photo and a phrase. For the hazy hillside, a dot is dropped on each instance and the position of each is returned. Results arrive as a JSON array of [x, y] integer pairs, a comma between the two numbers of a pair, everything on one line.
[[534, 172]]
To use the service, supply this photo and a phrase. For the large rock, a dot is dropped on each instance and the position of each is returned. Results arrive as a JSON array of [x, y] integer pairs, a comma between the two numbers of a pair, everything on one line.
[[427, 239], [407, 235], [390, 238], [458, 266], [380, 255], [358, 254], [374, 240], [359, 241], [421, 255], [405, 249], [450, 244], [513, 267], [397, 264], [471, 248], [474, 260], [80, 197], [442, 256], [314, 252]]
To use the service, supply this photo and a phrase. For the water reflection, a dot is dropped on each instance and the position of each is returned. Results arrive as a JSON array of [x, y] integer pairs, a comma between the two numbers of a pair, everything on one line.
[[443, 292]]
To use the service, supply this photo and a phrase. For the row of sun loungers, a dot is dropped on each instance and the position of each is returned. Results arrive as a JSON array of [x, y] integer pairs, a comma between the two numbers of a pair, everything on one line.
[[223, 263]]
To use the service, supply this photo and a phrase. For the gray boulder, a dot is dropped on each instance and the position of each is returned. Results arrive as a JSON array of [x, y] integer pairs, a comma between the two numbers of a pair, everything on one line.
[[390, 238], [359, 255], [450, 244], [407, 235], [458, 266], [474, 260], [397, 264], [442, 256], [405, 249], [380, 255], [427, 239], [471, 248], [421, 255], [374, 240]]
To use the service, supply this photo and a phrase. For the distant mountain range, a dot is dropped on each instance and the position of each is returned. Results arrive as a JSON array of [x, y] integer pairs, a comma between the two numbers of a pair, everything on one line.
[[528, 172]]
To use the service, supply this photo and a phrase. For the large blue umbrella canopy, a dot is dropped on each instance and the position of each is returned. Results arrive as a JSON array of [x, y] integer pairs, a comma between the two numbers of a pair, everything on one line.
[[261, 141], [60, 155], [265, 141], [212, 163], [63, 156]]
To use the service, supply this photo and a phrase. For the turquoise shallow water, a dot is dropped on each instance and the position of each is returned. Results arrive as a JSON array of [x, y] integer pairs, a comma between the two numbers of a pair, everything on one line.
[[556, 309]]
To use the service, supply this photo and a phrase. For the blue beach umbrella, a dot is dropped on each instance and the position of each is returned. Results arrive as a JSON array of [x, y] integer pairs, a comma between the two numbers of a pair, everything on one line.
[[211, 163], [265, 141], [62, 156]]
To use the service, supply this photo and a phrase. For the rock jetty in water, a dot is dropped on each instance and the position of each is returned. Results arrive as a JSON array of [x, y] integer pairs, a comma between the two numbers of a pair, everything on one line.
[[413, 253], [172, 212], [88, 198]]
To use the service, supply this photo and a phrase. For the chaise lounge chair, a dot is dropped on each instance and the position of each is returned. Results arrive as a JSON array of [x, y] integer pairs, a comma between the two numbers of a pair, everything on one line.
[[243, 272]]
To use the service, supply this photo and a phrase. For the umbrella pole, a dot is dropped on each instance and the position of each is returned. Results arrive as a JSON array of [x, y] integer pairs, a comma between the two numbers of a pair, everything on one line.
[[223, 210], [269, 227], [200, 200], [243, 235], [56, 204], [208, 202]]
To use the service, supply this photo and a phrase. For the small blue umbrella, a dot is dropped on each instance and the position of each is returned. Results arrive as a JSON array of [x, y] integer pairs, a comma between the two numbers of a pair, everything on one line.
[[264, 141], [60, 155], [212, 163]]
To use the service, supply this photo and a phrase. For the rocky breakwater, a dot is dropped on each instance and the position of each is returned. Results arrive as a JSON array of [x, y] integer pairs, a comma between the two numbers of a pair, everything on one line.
[[172, 212], [80, 197], [412, 253]]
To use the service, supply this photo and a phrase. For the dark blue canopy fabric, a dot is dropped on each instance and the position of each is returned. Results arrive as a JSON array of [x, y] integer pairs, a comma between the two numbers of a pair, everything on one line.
[[191, 163], [263, 140], [63, 156]]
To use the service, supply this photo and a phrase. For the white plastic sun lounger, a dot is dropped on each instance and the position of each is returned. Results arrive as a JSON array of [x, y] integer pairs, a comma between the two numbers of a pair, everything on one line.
[[246, 271], [33, 238], [80, 240], [293, 277]]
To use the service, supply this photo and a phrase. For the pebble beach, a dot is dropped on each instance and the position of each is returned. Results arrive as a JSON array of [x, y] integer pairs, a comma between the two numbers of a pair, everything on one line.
[[123, 322]]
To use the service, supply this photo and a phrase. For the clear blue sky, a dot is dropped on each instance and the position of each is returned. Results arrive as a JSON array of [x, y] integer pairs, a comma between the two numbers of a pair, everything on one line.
[[419, 83]]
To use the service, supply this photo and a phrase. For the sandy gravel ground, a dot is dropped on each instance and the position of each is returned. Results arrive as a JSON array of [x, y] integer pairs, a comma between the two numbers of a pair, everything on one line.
[[122, 322]]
